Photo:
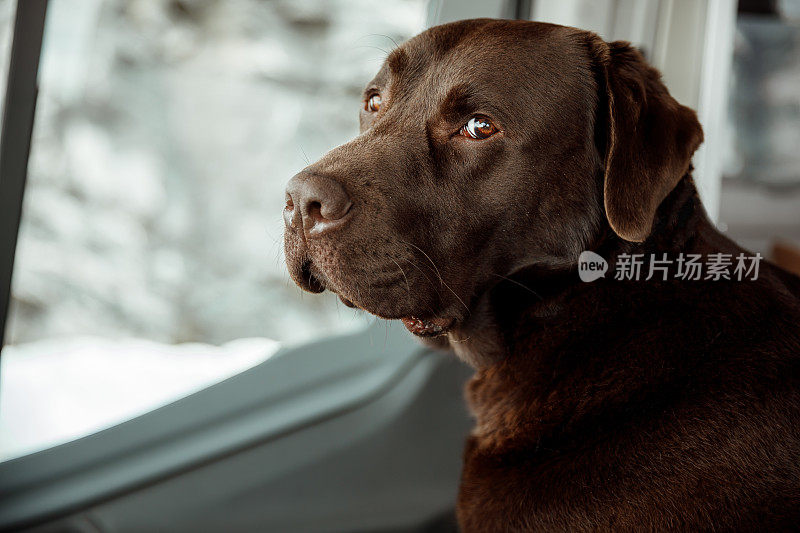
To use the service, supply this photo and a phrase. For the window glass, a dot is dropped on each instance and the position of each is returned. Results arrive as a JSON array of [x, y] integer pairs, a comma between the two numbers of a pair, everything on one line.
[[760, 197], [150, 258], [765, 100]]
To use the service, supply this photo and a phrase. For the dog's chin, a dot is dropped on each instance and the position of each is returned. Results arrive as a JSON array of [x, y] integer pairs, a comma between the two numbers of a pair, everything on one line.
[[309, 278], [421, 327]]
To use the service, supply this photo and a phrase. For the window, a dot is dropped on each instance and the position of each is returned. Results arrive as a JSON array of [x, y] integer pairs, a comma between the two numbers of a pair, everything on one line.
[[761, 189], [149, 261], [765, 103]]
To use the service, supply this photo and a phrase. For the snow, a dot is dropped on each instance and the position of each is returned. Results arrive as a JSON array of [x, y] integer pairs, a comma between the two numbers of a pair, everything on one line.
[[165, 134], [54, 391]]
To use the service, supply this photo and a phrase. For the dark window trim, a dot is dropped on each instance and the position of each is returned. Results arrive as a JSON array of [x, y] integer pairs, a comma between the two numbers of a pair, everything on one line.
[[15, 140], [523, 9]]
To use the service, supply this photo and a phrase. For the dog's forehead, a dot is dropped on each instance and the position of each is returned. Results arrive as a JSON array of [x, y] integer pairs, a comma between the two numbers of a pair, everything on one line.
[[486, 52]]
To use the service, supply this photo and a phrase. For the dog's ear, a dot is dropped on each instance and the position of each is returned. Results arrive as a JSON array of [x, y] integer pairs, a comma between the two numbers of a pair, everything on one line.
[[647, 136]]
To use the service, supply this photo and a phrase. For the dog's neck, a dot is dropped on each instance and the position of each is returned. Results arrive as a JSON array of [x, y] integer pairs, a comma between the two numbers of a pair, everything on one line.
[[523, 324], [681, 225]]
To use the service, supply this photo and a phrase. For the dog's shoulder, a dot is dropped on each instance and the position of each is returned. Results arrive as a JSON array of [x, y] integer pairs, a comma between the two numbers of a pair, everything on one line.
[[644, 405]]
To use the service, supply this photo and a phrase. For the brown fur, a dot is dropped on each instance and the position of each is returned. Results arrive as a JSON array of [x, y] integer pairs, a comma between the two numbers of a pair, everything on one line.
[[612, 405]]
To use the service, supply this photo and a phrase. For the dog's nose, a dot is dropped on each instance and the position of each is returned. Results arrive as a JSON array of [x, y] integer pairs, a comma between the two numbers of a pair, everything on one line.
[[315, 202]]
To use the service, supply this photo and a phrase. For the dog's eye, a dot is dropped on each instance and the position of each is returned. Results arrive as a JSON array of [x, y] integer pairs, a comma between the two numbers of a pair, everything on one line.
[[478, 128], [374, 103]]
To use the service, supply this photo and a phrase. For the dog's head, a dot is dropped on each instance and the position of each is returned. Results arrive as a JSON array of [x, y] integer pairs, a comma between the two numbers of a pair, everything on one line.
[[486, 147]]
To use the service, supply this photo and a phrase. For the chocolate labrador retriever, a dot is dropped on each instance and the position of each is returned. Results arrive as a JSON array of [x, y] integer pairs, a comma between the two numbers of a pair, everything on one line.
[[491, 155]]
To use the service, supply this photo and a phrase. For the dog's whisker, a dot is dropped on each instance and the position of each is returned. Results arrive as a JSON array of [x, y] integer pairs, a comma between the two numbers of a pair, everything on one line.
[[419, 269], [304, 155], [373, 47], [408, 287], [383, 35], [426, 257], [439, 274], [441, 281], [520, 284], [457, 297], [433, 285]]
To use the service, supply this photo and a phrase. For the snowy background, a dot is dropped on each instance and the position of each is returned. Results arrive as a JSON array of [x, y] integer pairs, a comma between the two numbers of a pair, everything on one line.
[[165, 133]]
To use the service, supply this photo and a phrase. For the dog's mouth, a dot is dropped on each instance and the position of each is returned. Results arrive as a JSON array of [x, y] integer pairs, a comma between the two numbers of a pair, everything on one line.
[[427, 327], [421, 327], [315, 281], [310, 280]]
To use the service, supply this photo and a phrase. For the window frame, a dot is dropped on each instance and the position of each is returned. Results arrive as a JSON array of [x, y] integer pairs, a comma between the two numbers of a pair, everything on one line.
[[15, 139], [269, 401]]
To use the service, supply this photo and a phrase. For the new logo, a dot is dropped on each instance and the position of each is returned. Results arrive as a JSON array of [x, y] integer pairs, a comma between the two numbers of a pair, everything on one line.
[[591, 266]]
